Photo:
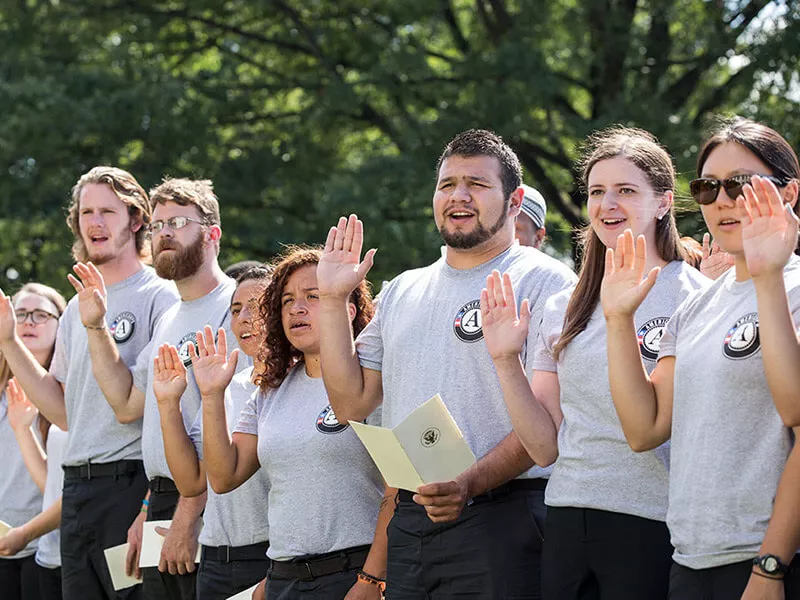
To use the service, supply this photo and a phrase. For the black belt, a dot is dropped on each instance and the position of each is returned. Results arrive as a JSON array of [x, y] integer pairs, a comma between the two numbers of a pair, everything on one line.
[[226, 554], [162, 485], [515, 485], [112, 469], [306, 568]]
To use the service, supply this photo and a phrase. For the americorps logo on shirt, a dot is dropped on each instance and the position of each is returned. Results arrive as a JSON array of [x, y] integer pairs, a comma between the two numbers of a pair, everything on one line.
[[183, 348], [328, 423], [122, 327], [649, 336], [742, 339], [468, 325]]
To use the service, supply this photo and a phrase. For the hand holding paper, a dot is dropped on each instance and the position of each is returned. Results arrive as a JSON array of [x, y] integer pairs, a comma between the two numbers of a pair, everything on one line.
[[153, 543], [115, 559], [4, 528]]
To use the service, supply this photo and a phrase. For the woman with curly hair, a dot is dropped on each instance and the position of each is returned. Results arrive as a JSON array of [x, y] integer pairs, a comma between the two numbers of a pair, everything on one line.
[[324, 489]]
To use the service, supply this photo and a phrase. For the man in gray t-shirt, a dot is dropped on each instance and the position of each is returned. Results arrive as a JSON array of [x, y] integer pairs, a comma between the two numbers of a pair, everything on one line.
[[426, 338], [104, 481]]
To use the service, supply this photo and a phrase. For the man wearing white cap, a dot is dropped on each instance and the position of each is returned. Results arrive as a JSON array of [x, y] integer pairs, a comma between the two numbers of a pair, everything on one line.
[[530, 229]]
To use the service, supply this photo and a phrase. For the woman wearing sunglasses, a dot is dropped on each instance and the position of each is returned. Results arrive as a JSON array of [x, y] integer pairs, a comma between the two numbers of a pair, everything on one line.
[[734, 497], [605, 532], [26, 572]]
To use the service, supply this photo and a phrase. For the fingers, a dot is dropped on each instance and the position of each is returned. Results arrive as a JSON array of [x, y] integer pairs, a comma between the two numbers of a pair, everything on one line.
[[497, 289], [13, 391], [97, 277], [132, 561], [706, 245], [208, 339], [176, 361], [525, 313], [610, 262], [341, 230], [640, 256], [350, 233], [629, 252], [508, 293], [484, 303], [747, 205], [75, 283], [330, 240], [618, 252], [222, 343]]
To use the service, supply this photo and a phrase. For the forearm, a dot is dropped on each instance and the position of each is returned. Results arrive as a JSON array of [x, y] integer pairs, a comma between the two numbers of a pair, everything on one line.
[[376, 560], [631, 389], [188, 512], [112, 374], [532, 423], [42, 389], [186, 469], [220, 455], [341, 370], [779, 346], [505, 461], [32, 455], [45, 522], [783, 533]]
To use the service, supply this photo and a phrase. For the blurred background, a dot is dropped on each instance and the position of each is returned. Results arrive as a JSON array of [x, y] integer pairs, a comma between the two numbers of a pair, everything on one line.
[[303, 110]]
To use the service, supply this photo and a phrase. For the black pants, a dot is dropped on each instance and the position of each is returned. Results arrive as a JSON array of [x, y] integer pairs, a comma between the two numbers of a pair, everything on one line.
[[327, 587], [218, 580], [96, 514], [723, 583], [155, 584], [19, 579], [592, 554], [49, 583], [491, 552]]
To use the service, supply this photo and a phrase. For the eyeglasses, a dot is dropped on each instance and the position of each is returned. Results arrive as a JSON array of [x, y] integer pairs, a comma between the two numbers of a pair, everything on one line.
[[37, 316], [705, 190], [173, 223]]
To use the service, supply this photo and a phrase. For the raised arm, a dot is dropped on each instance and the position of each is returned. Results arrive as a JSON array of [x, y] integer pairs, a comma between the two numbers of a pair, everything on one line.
[[505, 333], [21, 416], [229, 461], [44, 390], [643, 403], [112, 374], [769, 237], [169, 383], [354, 391]]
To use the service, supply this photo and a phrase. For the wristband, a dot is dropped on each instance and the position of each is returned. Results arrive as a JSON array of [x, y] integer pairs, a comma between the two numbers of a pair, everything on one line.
[[145, 504], [765, 576], [372, 580], [94, 328]]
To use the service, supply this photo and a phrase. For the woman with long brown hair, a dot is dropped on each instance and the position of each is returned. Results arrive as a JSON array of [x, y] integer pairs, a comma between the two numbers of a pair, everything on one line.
[[324, 489], [22, 575], [605, 532]]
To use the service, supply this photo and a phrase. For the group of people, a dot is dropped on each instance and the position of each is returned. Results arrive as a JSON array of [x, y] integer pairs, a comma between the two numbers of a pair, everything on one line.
[[633, 425]]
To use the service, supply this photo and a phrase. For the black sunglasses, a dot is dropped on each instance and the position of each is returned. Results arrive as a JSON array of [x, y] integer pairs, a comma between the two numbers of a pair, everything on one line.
[[705, 190]]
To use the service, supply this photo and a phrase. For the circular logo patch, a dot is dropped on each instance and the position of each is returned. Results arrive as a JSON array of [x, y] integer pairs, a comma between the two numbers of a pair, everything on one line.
[[122, 327], [328, 423], [468, 324], [183, 348], [649, 336], [430, 436], [742, 339]]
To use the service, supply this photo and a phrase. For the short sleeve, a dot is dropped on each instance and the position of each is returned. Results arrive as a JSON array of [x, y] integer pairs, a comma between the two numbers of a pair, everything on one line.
[[555, 283], [548, 333], [195, 434], [248, 418], [142, 366], [669, 339], [59, 366], [369, 343]]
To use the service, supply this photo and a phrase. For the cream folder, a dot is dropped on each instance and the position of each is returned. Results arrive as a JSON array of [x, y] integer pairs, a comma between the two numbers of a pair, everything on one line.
[[4, 528], [245, 595], [115, 559], [426, 446], [152, 543]]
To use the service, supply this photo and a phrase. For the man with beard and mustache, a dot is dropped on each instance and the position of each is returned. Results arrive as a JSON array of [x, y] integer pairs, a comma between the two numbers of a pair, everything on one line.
[[479, 536], [185, 241], [104, 480]]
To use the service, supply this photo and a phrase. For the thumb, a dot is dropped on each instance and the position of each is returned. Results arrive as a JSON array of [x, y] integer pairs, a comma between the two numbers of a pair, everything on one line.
[[366, 264], [233, 358], [162, 531], [650, 281]]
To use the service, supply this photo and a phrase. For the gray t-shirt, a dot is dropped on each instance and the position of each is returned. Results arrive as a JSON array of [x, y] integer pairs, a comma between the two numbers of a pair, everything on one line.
[[179, 327], [729, 444], [238, 518], [20, 498], [324, 488], [49, 553], [134, 306], [596, 467], [426, 338]]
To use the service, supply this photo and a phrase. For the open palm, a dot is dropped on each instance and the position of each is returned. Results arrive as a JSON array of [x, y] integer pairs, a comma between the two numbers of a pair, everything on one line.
[[213, 368], [769, 228], [169, 376], [21, 413], [340, 268], [504, 330], [624, 287]]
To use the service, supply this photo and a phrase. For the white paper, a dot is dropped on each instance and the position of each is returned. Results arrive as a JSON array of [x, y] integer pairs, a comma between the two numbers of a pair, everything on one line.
[[427, 446], [245, 595], [115, 559], [4, 528], [152, 544]]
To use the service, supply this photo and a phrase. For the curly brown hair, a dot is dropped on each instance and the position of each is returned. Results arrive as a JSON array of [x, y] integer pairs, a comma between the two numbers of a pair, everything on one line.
[[277, 354]]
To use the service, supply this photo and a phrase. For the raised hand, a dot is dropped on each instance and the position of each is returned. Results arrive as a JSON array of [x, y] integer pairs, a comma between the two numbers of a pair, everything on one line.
[[504, 330], [341, 269], [213, 368], [21, 413], [769, 228], [92, 294], [169, 376], [8, 320], [715, 261], [624, 286]]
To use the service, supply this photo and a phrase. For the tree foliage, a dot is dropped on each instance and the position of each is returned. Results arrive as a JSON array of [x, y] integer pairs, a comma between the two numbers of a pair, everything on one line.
[[302, 111]]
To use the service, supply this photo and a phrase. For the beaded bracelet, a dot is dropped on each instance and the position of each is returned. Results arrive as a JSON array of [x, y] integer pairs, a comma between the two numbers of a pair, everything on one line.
[[371, 579], [95, 328], [145, 504]]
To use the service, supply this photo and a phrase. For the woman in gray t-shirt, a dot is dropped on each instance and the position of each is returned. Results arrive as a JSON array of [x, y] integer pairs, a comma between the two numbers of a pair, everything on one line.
[[325, 491], [605, 534], [733, 494]]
